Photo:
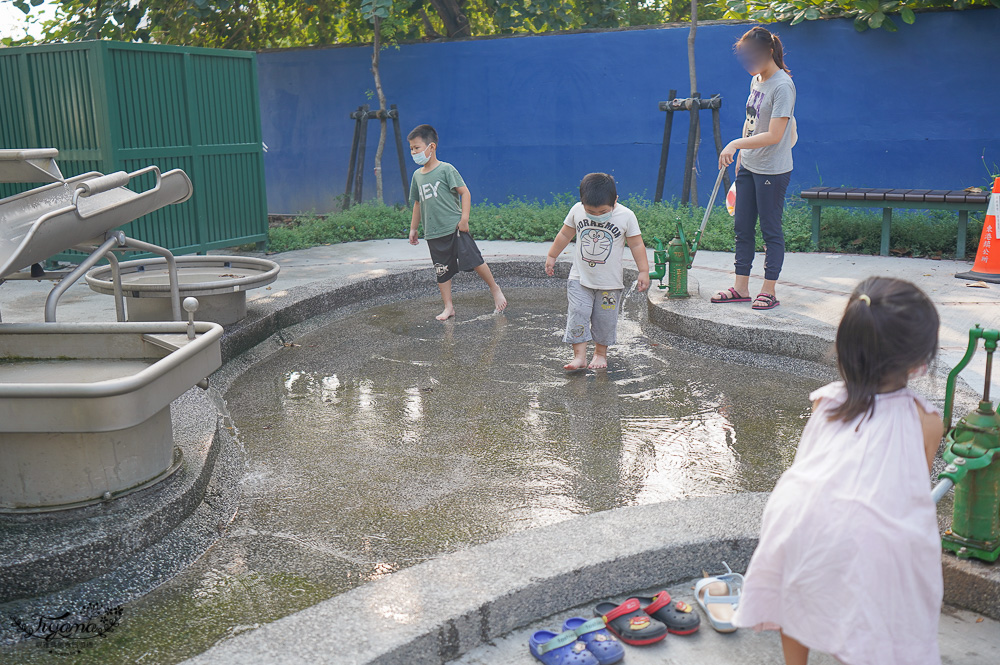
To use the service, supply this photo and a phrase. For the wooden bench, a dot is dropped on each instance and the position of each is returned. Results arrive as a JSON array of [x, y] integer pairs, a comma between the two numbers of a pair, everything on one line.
[[926, 199]]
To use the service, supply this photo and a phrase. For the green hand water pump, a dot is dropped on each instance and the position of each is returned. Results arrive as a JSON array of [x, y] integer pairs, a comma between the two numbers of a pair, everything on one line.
[[676, 260], [972, 451]]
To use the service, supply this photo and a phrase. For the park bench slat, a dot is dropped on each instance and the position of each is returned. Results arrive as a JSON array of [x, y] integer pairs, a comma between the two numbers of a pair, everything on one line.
[[876, 194], [966, 197], [915, 195], [857, 194], [815, 192], [839, 193], [936, 195], [897, 194]]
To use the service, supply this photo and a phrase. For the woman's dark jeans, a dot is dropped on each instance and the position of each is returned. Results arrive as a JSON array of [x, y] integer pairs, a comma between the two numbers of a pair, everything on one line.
[[760, 196]]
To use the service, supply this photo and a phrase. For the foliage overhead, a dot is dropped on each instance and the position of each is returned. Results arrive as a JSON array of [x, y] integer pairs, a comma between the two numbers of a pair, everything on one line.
[[866, 13], [260, 24]]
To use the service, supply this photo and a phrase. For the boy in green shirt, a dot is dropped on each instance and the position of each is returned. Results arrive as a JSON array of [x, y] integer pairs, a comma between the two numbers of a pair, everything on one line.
[[442, 202]]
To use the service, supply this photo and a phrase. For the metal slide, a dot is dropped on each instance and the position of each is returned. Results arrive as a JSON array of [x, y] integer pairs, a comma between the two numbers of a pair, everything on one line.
[[77, 211]]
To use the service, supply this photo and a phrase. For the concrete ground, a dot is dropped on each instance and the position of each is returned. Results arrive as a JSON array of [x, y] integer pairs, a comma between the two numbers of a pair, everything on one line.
[[813, 290], [965, 638], [812, 298]]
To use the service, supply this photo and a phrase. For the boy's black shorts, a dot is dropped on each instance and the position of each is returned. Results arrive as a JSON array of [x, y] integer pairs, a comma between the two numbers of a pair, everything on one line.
[[454, 252]]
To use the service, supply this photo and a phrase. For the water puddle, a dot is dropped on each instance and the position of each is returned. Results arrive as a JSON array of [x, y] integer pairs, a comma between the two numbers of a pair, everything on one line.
[[389, 438]]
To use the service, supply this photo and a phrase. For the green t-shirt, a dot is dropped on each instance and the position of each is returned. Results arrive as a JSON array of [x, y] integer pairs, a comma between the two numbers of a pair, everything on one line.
[[440, 204]]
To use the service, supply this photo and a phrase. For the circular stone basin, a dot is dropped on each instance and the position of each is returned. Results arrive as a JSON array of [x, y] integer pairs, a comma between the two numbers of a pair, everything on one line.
[[219, 282], [384, 438]]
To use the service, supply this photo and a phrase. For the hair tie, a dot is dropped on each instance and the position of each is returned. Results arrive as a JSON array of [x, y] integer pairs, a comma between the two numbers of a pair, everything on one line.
[[864, 298]]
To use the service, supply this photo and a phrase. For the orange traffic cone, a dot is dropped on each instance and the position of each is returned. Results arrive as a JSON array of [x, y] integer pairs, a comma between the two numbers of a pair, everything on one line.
[[987, 265]]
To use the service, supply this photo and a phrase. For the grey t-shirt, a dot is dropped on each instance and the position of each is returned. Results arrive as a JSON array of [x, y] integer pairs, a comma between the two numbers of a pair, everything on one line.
[[773, 98]]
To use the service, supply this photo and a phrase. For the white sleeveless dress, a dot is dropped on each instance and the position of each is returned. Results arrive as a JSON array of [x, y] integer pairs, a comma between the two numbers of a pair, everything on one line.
[[849, 559]]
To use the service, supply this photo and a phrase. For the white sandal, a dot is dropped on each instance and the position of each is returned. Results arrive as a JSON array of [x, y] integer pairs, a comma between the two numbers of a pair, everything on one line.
[[718, 597]]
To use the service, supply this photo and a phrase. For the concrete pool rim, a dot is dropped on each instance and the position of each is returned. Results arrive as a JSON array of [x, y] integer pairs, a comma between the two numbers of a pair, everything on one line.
[[436, 611], [274, 320], [463, 621]]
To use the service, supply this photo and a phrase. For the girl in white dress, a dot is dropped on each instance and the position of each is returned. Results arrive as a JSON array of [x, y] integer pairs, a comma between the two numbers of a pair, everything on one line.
[[849, 559]]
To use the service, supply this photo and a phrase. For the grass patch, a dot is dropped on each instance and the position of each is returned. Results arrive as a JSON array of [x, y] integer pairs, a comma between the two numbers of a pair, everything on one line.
[[928, 233]]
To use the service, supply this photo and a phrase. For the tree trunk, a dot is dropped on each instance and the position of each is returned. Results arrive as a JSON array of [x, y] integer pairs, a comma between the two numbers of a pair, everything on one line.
[[429, 31], [692, 72], [691, 33], [455, 22], [382, 111]]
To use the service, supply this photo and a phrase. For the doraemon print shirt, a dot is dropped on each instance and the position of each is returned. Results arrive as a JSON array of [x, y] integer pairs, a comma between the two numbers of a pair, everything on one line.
[[597, 261]]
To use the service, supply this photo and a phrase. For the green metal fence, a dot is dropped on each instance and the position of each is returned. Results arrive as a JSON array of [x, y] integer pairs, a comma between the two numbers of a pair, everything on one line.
[[110, 106]]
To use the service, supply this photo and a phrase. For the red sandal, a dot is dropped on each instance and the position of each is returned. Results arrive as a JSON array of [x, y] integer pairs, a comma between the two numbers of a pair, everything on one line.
[[765, 301], [630, 624], [732, 295], [676, 615]]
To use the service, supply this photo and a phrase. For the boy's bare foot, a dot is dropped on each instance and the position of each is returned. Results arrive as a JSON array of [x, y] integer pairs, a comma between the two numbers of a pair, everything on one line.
[[598, 362], [446, 314], [578, 362], [499, 301]]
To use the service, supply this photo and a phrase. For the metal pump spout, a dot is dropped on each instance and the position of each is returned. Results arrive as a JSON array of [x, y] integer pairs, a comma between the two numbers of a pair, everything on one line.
[[659, 262]]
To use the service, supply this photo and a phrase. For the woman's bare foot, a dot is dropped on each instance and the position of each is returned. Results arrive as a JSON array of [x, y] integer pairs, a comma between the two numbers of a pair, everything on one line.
[[598, 362], [446, 314], [499, 301], [578, 362]]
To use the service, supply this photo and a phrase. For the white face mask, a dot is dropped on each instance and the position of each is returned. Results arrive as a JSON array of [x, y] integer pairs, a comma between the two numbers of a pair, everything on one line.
[[420, 158], [601, 218]]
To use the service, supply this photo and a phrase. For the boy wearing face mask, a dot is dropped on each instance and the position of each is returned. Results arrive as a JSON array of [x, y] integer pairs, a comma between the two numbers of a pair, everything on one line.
[[441, 202], [602, 228]]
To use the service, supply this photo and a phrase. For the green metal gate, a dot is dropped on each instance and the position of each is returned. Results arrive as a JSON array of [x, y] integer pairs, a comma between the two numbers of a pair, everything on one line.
[[110, 106]]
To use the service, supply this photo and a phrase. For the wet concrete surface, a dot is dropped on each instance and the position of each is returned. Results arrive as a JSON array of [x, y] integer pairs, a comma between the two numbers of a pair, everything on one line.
[[964, 638], [388, 438]]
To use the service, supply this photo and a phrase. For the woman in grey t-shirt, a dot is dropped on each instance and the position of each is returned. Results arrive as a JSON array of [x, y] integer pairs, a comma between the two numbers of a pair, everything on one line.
[[763, 166]]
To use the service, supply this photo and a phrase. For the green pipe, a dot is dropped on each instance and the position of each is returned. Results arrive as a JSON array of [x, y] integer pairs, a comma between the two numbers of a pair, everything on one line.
[[990, 338], [659, 262]]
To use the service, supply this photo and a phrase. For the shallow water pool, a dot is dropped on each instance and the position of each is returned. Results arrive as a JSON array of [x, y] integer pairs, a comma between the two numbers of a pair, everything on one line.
[[387, 438]]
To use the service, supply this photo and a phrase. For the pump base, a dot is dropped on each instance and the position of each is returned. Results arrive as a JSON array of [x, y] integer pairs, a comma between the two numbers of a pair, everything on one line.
[[971, 549]]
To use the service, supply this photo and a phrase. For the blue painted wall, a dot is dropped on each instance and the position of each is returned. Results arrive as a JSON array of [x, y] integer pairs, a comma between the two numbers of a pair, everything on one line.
[[528, 116]]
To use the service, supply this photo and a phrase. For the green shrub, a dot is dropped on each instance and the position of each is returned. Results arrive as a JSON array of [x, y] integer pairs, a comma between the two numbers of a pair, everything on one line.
[[851, 230]]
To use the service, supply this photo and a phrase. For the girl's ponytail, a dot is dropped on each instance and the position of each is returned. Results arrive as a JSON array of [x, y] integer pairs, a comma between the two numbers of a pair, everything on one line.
[[779, 53], [858, 359]]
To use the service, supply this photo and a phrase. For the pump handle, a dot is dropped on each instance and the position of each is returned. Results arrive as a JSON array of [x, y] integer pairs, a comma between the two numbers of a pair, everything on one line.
[[704, 220]]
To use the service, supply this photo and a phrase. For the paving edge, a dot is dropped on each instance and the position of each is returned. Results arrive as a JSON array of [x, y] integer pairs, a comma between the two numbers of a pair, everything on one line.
[[691, 318], [972, 585], [436, 611]]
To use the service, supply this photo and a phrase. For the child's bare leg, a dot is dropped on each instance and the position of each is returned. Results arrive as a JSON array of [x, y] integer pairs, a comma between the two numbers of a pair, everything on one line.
[[600, 359], [499, 301], [449, 308], [795, 652], [579, 357]]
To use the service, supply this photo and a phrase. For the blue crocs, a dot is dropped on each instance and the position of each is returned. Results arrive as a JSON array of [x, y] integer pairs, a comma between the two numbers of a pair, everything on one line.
[[593, 632], [561, 649]]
